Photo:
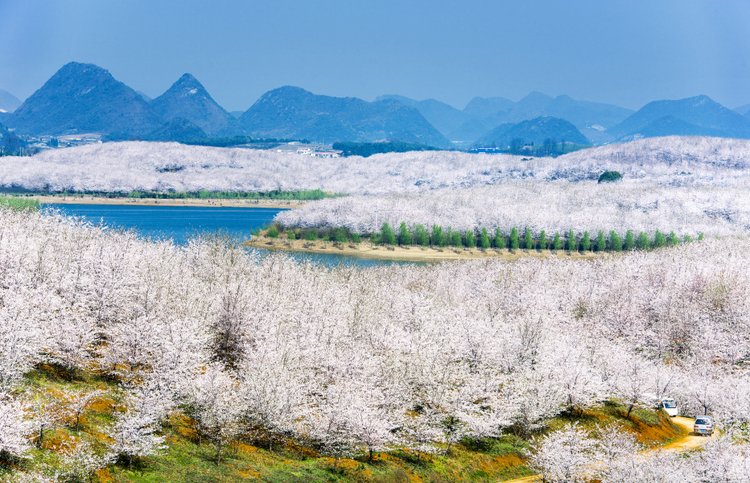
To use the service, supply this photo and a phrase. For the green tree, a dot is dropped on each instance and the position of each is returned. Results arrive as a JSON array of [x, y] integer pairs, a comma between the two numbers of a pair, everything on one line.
[[404, 236], [356, 238], [586, 242], [339, 235], [557, 243], [659, 240], [421, 236], [455, 237], [469, 238], [528, 242], [437, 238], [290, 235], [273, 232], [610, 177], [601, 242], [311, 235], [642, 242], [514, 239], [484, 240], [387, 236], [542, 240], [572, 241], [687, 239], [700, 236], [615, 242], [499, 241], [629, 241], [672, 239]]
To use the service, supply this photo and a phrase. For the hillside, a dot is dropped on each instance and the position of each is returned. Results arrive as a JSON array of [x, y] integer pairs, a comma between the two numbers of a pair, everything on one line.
[[178, 129], [534, 131], [584, 115], [481, 107], [83, 98], [8, 102], [129, 166], [224, 365], [443, 117], [188, 99], [712, 118], [292, 112]]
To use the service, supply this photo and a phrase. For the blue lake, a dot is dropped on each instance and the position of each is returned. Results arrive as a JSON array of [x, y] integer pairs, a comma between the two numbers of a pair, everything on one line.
[[180, 222]]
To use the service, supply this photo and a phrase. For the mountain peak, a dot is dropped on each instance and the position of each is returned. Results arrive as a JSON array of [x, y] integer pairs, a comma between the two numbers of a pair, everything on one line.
[[84, 98], [188, 99]]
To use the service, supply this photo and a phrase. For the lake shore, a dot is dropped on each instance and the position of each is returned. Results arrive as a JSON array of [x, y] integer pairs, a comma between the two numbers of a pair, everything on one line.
[[195, 202], [406, 254]]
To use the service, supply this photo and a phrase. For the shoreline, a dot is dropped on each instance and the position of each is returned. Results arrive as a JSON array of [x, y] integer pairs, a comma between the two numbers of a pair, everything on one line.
[[406, 254], [194, 202]]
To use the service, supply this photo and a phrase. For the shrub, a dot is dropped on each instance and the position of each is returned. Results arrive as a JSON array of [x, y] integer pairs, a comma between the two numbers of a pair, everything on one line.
[[356, 238], [290, 235], [273, 232], [610, 177]]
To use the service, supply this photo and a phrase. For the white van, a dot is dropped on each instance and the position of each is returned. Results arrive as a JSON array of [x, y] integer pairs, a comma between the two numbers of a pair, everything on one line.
[[670, 406]]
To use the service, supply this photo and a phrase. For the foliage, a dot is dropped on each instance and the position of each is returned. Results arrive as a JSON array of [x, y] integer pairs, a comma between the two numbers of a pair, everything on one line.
[[368, 149], [609, 177]]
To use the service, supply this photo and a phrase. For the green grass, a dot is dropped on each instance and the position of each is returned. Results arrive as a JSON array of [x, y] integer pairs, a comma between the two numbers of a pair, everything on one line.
[[19, 204]]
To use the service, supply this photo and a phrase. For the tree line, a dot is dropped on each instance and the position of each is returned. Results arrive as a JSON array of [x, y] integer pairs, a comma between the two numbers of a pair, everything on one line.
[[447, 237]]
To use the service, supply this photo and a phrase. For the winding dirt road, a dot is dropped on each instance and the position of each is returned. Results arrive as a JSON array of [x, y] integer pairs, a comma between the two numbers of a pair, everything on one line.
[[691, 441]]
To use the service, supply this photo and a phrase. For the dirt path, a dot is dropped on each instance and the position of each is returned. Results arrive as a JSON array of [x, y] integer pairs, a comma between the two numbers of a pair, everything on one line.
[[410, 254], [215, 203], [691, 441]]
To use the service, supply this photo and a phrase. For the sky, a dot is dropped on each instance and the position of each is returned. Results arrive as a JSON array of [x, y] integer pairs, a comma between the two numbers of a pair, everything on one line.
[[626, 53]]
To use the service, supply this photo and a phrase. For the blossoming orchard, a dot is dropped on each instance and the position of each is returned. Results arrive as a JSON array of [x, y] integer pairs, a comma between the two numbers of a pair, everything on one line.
[[360, 362]]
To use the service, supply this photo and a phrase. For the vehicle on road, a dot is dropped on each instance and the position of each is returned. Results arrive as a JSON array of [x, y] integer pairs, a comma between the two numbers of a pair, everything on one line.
[[670, 406], [704, 425]]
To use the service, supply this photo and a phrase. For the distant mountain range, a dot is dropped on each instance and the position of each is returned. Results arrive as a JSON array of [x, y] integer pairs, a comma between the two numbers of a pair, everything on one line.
[[83, 98], [534, 131], [8, 102], [292, 112], [698, 115], [482, 115]]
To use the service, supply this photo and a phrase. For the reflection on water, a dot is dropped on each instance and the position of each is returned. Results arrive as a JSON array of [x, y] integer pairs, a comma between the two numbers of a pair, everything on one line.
[[334, 259]]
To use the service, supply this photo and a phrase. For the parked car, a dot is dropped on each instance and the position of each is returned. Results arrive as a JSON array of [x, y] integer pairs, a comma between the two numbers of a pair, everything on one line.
[[704, 425], [670, 406]]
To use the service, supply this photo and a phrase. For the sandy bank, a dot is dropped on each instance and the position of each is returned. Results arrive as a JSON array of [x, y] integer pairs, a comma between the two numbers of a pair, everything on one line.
[[96, 200], [410, 254]]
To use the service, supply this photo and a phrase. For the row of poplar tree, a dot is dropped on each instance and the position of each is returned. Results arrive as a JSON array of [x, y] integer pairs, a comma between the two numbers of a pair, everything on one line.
[[447, 237]]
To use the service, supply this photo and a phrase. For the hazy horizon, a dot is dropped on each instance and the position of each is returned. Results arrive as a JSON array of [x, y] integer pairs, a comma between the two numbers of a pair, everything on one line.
[[627, 55]]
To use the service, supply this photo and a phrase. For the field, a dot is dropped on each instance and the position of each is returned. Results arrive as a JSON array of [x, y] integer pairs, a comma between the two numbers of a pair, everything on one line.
[[127, 360]]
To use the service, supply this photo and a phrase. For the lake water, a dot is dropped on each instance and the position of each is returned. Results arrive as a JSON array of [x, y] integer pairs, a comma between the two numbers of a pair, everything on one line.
[[180, 222]]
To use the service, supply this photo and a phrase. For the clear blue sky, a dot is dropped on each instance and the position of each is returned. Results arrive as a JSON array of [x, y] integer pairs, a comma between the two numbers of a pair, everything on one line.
[[622, 52]]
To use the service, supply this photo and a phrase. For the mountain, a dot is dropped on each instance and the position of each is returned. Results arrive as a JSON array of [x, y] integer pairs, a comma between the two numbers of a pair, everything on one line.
[[84, 98], [472, 130], [534, 131], [744, 110], [178, 129], [700, 111], [670, 126], [237, 114], [292, 112], [8, 102], [481, 107], [144, 96], [445, 118], [188, 99], [585, 114]]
